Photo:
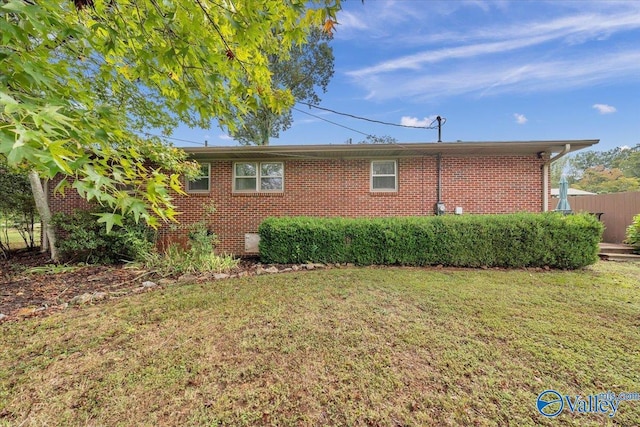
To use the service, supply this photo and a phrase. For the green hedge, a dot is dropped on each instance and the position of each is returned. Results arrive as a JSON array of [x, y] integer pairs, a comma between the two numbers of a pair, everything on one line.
[[633, 233], [512, 240]]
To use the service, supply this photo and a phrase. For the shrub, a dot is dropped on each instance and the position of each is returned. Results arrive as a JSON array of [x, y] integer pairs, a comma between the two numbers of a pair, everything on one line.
[[82, 238], [513, 240], [633, 233], [199, 257]]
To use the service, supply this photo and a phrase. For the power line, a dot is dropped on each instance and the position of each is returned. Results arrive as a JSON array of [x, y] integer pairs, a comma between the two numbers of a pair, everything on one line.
[[174, 139], [431, 125], [329, 121]]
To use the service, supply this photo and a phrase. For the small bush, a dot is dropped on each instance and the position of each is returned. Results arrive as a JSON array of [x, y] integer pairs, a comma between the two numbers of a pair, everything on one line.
[[83, 239], [199, 257], [514, 240], [633, 233]]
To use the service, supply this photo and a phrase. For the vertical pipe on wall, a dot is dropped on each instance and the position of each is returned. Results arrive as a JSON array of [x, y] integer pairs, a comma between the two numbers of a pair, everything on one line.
[[439, 208], [439, 177]]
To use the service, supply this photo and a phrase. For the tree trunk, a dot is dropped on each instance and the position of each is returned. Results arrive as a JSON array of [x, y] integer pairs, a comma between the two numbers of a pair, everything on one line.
[[42, 205]]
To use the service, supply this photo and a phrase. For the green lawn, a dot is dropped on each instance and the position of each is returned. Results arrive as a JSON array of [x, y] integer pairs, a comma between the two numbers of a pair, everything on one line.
[[358, 346], [15, 240]]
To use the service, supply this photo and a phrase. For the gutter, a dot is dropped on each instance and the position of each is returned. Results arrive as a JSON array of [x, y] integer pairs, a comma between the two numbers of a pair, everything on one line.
[[545, 176]]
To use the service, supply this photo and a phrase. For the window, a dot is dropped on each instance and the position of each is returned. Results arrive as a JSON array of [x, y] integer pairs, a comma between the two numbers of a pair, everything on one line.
[[264, 176], [201, 183], [384, 175]]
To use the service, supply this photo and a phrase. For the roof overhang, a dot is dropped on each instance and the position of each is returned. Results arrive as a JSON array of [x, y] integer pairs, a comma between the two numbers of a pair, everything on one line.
[[353, 151]]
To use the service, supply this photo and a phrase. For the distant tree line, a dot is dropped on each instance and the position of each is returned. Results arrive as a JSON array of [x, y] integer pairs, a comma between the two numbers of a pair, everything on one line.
[[611, 171]]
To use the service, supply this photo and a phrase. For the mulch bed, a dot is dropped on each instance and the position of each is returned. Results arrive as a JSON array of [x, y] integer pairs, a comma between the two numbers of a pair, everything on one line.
[[30, 285], [24, 293]]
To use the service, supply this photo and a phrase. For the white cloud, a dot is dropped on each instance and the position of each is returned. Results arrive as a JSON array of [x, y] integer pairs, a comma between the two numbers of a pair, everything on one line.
[[505, 75], [351, 21], [604, 108], [224, 137], [573, 29], [520, 118], [414, 121]]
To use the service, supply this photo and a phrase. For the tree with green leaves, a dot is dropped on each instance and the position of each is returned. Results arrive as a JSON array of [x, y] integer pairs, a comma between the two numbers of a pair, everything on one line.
[[80, 80], [608, 171], [17, 208], [308, 67], [599, 179], [374, 139]]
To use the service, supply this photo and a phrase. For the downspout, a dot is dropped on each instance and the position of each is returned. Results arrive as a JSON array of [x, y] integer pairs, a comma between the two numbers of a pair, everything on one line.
[[545, 176], [439, 177], [439, 208]]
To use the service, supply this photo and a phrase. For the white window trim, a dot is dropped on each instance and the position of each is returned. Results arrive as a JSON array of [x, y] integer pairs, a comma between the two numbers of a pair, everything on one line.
[[258, 177], [208, 176], [395, 176]]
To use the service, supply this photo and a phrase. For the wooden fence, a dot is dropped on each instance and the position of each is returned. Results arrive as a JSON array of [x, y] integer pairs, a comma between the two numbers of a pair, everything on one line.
[[617, 209]]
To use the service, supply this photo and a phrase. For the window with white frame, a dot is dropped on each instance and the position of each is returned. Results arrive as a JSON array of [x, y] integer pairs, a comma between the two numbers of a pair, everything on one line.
[[201, 183], [384, 175], [258, 176]]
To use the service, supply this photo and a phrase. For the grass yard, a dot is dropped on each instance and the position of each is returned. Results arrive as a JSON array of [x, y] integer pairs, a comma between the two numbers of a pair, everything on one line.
[[358, 346], [16, 241]]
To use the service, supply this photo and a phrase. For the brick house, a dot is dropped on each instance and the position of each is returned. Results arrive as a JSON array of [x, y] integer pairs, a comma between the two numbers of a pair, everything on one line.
[[250, 183]]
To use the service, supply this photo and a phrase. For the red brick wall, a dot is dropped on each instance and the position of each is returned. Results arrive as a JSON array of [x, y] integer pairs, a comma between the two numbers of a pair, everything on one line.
[[67, 203], [487, 184], [491, 184]]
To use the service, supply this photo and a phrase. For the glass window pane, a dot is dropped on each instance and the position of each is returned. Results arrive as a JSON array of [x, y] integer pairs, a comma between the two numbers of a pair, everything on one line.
[[243, 184], [271, 184], [384, 182], [271, 169], [246, 169], [201, 184], [204, 170], [384, 168]]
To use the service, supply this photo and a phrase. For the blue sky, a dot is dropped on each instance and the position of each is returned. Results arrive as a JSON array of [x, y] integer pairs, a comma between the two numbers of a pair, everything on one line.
[[496, 70]]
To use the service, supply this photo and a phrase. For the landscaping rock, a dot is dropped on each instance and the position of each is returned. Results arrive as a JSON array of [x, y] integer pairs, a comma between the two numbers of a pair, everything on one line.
[[243, 274], [149, 284], [80, 299], [259, 271], [87, 298], [98, 296], [165, 282], [187, 278], [220, 276], [309, 266], [286, 270], [350, 264], [2, 316], [271, 270], [295, 268]]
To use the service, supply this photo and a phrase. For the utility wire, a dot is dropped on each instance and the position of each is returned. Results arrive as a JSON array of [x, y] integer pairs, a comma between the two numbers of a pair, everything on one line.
[[174, 139], [329, 121], [431, 126]]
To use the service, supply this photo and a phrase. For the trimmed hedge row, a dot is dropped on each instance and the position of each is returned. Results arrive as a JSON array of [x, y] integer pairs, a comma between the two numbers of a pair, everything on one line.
[[510, 240]]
